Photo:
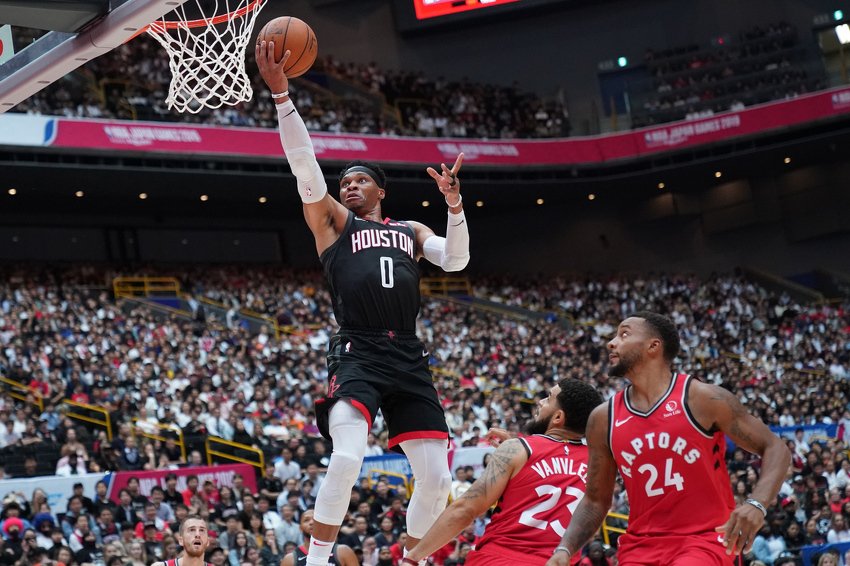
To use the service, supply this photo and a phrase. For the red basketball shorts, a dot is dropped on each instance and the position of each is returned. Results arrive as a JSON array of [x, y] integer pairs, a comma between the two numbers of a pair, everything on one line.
[[688, 550]]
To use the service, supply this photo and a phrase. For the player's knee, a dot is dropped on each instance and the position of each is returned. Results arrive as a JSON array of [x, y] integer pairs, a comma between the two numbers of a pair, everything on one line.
[[444, 486], [343, 471], [434, 492]]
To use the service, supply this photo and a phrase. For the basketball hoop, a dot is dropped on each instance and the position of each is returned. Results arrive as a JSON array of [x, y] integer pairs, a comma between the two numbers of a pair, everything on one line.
[[208, 64]]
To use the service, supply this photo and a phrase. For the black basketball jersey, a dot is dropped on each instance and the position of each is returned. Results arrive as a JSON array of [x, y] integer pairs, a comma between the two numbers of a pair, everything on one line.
[[301, 557], [373, 275]]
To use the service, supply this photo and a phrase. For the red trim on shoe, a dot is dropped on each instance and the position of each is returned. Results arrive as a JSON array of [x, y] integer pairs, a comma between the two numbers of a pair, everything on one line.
[[416, 435], [358, 405]]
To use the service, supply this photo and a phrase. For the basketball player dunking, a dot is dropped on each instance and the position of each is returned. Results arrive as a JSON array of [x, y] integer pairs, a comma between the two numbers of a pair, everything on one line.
[[666, 435], [533, 479], [376, 360], [194, 538], [340, 555]]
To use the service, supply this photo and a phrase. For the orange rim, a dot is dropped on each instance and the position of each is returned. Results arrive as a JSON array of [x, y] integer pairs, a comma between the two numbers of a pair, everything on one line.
[[161, 27]]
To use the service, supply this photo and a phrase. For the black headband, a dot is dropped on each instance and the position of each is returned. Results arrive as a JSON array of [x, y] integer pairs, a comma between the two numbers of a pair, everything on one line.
[[364, 169]]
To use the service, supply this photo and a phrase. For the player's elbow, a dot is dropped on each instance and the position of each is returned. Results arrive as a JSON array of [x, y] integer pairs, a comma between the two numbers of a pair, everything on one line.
[[454, 263]]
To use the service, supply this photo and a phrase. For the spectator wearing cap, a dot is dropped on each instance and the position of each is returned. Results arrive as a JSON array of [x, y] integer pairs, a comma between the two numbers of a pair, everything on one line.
[[792, 511], [150, 518]]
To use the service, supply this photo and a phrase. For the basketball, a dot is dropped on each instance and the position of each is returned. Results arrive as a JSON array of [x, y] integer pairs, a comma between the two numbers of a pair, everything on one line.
[[293, 34]]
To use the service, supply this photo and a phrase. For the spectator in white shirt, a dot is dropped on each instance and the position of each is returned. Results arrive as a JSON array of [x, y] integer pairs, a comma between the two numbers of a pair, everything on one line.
[[372, 446], [285, 468]]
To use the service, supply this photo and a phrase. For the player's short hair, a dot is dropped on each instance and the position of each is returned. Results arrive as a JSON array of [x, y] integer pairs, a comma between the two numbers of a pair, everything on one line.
[[381, 181], [662, 327], [191, 518], [577, 399]]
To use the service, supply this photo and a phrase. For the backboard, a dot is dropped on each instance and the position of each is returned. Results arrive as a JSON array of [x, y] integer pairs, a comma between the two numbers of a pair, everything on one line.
[[58, 53]]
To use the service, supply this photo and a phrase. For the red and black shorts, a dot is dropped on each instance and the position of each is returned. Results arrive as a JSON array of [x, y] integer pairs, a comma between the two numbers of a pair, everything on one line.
[[386, 370]]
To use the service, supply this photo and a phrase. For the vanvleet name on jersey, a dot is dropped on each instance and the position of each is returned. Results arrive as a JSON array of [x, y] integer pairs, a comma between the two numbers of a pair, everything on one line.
[[564, 466]]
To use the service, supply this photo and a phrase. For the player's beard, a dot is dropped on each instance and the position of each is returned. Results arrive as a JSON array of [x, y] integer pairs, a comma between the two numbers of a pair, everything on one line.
[[190, 550], [538, 426], [626, 364]]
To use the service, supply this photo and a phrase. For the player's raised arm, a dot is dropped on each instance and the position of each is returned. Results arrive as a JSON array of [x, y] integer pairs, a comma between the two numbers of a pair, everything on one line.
[[720, 408], [452, 252], [506, 461], [594, 506], [325, 216]]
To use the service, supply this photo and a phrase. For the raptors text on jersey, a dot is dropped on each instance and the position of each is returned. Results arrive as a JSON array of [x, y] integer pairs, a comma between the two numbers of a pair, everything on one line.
[[539, 501], [674, 471], [373, 275]]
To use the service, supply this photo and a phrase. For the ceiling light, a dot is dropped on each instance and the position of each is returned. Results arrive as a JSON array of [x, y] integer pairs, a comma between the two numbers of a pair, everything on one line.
[[479, 203], [591, 196], [425, 203], [12, 191], [204, 197], [79, 193], [540, 201], [718, 174], [660, 185], [787, 160], [143, 196], [262, 199]]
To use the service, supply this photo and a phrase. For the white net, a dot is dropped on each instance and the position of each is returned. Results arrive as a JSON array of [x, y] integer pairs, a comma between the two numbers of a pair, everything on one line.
[[207, 55]]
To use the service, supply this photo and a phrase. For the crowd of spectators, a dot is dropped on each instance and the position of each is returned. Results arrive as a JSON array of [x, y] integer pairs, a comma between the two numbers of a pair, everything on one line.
[[131, 82], [765, 64], [70, 339]]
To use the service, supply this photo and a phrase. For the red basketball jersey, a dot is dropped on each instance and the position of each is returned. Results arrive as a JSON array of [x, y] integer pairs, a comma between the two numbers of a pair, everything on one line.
[[539, 501], [674, 471]]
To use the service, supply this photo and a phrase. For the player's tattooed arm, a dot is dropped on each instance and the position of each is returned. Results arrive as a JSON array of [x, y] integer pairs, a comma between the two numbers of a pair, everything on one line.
[[599, 492], [723, 412], [505, 462]]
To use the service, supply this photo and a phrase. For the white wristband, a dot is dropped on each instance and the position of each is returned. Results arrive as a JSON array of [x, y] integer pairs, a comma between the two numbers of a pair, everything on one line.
[[460, 200], [281, 95]]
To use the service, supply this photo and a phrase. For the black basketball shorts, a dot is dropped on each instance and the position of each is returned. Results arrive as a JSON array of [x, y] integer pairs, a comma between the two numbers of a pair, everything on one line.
[[386, 370]]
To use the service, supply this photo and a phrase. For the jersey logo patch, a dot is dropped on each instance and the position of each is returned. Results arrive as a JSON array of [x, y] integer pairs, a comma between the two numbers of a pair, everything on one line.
[[624, 421], [567, 450], [670, 406], [424, 353], [333, 387], [348, 347]]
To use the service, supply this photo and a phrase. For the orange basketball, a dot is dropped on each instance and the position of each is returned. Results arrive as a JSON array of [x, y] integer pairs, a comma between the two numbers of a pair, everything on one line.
[[295, 35]]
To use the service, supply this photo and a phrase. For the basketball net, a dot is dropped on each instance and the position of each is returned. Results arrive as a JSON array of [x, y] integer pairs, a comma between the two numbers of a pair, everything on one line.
[[207, 55]]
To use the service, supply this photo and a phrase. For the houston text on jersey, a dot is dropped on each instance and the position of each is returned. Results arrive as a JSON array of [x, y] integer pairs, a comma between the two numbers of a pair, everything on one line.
[[365, 239]]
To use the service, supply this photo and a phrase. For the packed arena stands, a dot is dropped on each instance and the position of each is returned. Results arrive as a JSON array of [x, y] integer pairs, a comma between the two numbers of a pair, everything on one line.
[[66, 335], [414, 105], [760, 65]]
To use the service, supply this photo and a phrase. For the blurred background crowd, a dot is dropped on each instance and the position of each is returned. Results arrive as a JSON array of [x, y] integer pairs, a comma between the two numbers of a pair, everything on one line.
[[66, 335]]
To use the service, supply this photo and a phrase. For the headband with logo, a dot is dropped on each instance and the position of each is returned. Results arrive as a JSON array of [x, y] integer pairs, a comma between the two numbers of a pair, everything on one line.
[[363, 169]]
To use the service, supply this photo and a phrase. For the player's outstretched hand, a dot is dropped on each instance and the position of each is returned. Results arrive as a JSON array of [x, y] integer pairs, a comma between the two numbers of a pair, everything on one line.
[[447, 180], [495, 436], [740, 530], [272, 72]]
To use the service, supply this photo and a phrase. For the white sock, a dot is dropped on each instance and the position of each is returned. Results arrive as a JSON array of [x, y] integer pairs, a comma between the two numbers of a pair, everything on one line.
[[319, 553], [421, 562]]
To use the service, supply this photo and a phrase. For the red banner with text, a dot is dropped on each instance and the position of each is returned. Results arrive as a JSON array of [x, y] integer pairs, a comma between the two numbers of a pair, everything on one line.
[[219, 475], [177, 138]]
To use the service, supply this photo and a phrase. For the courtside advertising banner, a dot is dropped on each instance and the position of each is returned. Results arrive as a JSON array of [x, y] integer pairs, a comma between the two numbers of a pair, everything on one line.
[[219, 475], [6, 47], [192, 139], [469, 456], [58, 488]]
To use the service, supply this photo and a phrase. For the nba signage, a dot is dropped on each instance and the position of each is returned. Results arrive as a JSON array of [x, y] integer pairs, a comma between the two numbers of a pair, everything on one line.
[[6, 47]]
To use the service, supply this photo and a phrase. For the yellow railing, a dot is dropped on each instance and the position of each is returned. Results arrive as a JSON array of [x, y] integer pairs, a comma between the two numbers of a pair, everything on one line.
[[210, 453], [607, 530], [69, 408], [22, 392], [444, 285], [176, 434], [408, 485], [134, 287]]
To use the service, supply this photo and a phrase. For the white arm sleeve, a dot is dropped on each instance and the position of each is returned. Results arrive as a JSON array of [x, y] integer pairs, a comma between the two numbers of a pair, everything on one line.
[[299, 152], [452, 252]]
